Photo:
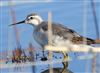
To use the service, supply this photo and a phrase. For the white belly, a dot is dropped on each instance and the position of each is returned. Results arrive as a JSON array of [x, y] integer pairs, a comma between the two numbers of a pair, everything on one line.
[[60, 41]]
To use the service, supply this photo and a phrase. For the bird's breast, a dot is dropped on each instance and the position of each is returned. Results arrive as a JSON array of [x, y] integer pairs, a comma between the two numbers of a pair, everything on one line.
[[40, 38]]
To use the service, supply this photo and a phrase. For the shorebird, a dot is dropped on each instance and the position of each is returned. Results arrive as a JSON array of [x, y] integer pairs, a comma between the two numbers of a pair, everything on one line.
[[62, 35]]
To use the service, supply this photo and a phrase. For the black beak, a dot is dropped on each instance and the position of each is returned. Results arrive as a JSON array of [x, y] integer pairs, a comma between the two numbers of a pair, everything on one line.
[[18, 23]]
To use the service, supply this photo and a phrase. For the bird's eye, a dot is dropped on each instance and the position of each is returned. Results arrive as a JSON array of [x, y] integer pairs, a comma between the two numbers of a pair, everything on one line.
[[31, 18]]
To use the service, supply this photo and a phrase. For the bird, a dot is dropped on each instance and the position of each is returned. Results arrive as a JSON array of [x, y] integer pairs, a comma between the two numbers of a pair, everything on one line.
[[61, 35]]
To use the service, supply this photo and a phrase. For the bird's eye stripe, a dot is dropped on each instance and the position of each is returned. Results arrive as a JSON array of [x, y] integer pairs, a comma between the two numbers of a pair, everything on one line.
[[31, 18]]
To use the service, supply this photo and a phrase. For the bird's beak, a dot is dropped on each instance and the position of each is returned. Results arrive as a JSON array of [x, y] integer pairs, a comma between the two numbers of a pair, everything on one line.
[[18, 23]]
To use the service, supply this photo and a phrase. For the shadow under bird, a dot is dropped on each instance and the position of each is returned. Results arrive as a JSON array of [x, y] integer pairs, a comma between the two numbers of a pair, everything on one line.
[[62, 35], [57, 70]]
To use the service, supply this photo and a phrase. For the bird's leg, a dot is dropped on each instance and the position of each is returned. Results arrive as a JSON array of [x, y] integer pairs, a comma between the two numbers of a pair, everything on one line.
[[65, 63], [43, 53], [44, 57]]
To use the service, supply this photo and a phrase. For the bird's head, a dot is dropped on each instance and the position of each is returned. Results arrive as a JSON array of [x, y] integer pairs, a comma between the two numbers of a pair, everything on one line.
[[33, 19]]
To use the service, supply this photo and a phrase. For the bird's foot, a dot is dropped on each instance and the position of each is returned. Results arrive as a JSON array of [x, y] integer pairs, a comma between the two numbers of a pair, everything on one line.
[[44, 59]]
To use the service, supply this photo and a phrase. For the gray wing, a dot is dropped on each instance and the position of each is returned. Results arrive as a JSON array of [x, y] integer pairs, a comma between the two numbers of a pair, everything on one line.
[[64, 32], [60, 30]]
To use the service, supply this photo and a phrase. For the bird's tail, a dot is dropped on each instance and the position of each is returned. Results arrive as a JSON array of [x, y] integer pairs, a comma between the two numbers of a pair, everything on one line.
[[92, 41], [88, 41], [97, 41]]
